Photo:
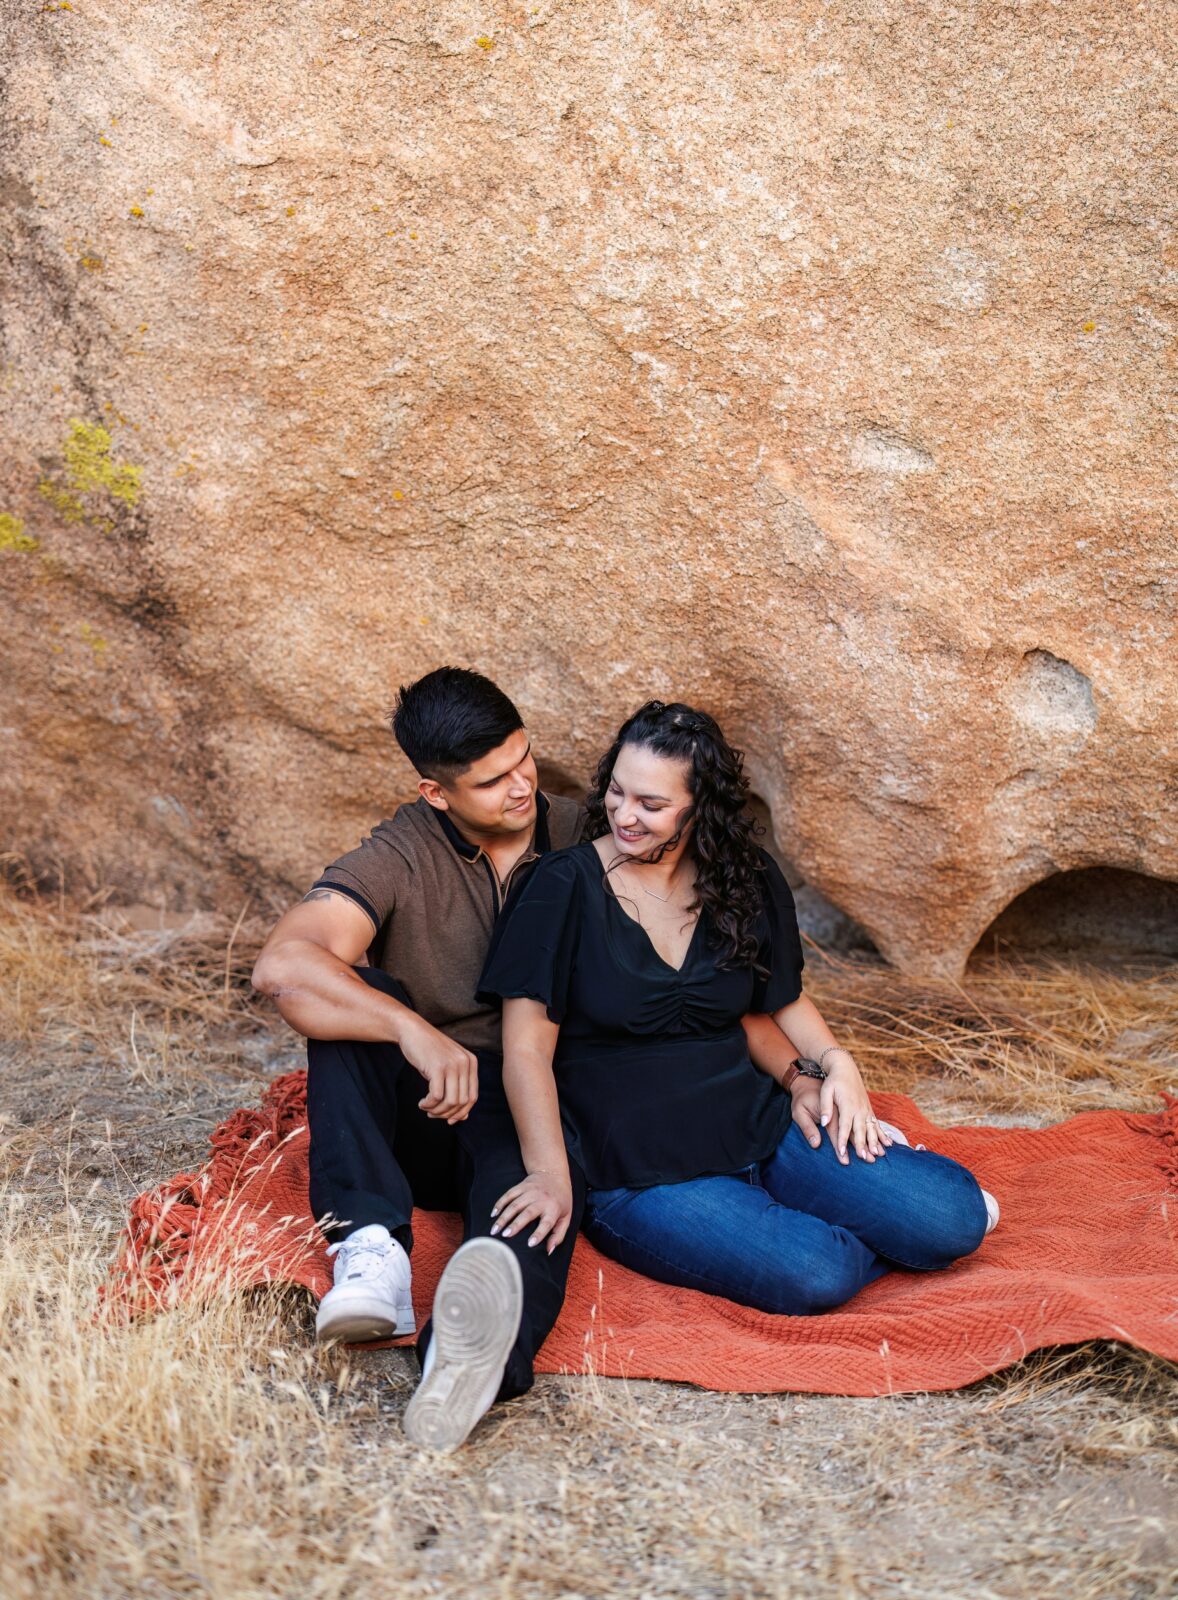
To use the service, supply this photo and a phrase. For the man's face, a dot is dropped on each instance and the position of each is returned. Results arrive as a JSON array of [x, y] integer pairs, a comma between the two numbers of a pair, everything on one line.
[[496, 793]]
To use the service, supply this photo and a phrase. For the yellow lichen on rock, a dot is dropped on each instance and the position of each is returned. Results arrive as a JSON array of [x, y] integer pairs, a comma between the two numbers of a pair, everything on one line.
[[90, 469], [13, 535], [91, 636]]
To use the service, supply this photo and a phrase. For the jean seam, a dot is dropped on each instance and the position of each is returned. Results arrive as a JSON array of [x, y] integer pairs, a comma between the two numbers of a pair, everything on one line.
[[712, 1286]]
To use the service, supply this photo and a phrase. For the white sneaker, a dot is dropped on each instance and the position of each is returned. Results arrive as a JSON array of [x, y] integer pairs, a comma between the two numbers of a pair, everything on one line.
[[476, 1317], [372, 1296]]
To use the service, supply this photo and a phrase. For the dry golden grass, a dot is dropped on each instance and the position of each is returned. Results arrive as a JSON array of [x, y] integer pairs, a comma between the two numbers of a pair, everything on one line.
[[215, 1451], [76, 980], [1043, 1038]]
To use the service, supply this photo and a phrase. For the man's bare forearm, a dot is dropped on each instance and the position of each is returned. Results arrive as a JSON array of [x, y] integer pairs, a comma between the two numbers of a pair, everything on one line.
[[322, 997]]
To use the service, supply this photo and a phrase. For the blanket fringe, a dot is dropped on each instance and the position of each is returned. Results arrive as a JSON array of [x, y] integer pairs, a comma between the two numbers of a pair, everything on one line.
[[1164, 1127], [164, 1222]]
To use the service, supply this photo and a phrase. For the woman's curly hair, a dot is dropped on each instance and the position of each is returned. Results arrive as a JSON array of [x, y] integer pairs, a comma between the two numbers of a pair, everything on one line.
[[729, 867]]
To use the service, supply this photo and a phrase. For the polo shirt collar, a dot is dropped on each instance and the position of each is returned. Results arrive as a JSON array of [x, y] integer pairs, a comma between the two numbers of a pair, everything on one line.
[[468, 851], [541, 841]]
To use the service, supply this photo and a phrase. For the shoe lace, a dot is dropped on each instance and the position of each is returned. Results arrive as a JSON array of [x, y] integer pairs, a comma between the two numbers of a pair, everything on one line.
[[361, 1260]]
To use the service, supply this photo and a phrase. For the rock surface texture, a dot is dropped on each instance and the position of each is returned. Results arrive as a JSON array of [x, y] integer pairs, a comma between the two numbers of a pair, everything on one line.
[[807, 362]]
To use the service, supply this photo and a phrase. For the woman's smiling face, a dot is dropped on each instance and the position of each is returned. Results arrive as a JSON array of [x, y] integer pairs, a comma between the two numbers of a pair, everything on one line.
[[646, 800]]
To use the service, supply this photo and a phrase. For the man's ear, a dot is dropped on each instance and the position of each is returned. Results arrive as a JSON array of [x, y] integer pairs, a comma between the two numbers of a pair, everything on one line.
[[433, 794]]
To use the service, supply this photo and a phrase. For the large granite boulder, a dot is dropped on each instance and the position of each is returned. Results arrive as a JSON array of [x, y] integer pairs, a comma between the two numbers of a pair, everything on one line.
[[804, 362]]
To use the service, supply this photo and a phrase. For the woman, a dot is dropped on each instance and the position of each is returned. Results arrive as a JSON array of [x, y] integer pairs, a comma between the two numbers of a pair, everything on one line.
[[625, 967]]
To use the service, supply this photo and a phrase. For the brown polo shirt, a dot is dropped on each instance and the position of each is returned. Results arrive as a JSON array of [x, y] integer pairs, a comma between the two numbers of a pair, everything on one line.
[[433, 898]]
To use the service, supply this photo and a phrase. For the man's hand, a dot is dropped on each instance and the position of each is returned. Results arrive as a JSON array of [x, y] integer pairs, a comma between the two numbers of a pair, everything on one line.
[[451, 1072], [546, 1198], [806, 1094], [807, 1108]]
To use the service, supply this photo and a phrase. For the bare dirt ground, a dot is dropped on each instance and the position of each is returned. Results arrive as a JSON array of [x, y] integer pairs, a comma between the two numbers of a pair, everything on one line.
[[214, 1451]]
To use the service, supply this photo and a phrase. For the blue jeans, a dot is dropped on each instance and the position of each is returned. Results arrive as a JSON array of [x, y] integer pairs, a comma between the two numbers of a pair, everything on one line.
[[797, 1233]]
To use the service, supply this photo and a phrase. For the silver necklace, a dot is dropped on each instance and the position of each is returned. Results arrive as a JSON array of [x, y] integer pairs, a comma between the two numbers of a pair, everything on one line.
[[661, 898]]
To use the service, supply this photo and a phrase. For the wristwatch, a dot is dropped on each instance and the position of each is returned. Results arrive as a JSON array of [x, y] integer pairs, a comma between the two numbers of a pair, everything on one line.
[[808, 1068]]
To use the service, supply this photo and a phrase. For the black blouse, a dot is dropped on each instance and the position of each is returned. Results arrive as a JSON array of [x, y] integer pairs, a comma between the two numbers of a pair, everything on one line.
[[652, 1065]]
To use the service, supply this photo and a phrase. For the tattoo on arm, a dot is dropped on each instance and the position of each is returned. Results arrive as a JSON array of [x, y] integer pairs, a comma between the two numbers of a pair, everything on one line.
[[325, 894]]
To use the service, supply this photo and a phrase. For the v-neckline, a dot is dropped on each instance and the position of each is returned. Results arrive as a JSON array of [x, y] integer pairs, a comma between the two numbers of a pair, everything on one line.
[[608, 892]]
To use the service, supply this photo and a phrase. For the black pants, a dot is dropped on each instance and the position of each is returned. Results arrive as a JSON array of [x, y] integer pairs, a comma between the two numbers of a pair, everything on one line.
[[374, 1155]]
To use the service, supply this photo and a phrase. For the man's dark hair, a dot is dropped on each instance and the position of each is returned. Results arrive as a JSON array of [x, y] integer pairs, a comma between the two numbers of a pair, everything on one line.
[[451, 718]]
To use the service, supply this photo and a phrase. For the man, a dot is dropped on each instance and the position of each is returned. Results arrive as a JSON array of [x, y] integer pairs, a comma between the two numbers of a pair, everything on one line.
[[404, 1093]]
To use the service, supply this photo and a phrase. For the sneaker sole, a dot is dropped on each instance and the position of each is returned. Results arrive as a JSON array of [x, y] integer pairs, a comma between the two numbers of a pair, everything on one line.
[[476, 1317], [360, 1319]]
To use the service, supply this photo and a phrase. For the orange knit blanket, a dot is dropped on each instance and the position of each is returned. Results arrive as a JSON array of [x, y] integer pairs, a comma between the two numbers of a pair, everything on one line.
[[1087, 1248]]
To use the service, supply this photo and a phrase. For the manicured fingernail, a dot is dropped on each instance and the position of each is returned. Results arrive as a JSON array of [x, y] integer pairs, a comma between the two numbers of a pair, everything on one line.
[[825, 1120], [532, 1242], [494, 1211], [495, 1229], [507, 1232]]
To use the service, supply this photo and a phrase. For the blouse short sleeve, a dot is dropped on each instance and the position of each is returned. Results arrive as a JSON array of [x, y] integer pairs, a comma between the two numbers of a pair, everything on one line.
[[781, 948], [535, 939]]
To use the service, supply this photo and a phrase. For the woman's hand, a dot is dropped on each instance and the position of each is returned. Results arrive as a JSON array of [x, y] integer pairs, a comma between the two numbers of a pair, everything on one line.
[[543, 1197], [843, 1092]]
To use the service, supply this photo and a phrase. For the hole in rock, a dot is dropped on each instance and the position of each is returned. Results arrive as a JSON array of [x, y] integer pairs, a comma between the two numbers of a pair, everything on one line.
[[1105, 914], [818, 917]]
